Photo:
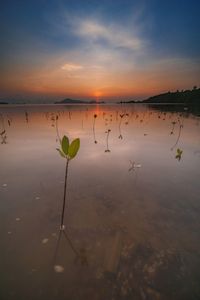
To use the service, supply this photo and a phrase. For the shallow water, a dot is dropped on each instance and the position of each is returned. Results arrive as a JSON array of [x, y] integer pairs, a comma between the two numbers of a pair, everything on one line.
[[133, 211]]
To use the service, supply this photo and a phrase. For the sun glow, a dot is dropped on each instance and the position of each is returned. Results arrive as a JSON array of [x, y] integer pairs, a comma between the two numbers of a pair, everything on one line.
[[98, 94]]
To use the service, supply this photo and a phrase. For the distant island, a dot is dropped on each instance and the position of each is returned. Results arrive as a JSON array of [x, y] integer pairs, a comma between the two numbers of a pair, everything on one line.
[[73, 101], [187, 97], [3, 102]]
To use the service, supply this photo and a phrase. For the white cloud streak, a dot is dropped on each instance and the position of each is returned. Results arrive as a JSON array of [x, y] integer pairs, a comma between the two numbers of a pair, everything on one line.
[[72, 67], [113, 35]]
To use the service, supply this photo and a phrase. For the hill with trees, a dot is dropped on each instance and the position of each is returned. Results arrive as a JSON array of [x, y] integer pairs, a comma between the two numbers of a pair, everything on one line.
[[187, 97]]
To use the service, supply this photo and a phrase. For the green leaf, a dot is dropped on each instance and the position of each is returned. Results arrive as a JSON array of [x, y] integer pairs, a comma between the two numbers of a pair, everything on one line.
[[65, 144], [179, 151], [61, 153], [73, 148]]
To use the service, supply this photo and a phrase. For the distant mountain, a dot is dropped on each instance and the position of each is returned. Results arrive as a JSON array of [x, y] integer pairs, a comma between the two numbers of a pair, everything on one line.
[[187, 97], [73, 101]]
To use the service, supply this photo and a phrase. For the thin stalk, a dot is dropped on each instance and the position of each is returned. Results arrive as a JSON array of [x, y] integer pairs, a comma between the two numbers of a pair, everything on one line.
[[120, 123], [94, 131], [179, 134], [64, 196], [107, 139], [120, 134], [57, 132], [108, 132], [3, 133], [2, 122]]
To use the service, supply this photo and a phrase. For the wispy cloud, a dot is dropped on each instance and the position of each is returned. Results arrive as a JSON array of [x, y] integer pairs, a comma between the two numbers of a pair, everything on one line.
[[115, 36], [71, 67]]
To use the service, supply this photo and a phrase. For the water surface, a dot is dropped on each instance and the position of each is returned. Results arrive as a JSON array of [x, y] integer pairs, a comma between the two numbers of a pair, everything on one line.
[[133, 207]]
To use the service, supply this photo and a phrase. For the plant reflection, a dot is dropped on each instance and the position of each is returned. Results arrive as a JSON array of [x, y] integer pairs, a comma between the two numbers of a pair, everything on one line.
[[134, 166], [80, 255]]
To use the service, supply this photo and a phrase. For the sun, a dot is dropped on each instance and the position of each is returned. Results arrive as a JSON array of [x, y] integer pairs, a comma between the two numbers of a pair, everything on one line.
[[97, 94]]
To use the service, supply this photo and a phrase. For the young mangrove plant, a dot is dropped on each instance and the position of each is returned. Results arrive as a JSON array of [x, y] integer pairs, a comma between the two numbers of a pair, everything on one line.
[[3, 137], [120, 123], [173, 125], [3, 132], [68, 152], [179, 135], [26, 116], [94, 135], [57, 132], [52, 120], [107, 137]]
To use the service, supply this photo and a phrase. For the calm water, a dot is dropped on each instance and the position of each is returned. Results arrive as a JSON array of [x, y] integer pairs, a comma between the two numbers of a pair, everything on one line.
[[133, 207]]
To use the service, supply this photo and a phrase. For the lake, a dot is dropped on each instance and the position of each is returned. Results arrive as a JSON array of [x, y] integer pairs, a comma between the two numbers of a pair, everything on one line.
[[132, 218]]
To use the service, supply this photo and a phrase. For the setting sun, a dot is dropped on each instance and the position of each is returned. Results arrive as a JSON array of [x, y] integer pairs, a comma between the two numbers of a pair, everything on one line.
[[98, 94]]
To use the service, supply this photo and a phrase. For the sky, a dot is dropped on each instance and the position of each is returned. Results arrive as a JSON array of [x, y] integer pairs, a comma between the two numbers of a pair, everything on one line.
[[100, 49]]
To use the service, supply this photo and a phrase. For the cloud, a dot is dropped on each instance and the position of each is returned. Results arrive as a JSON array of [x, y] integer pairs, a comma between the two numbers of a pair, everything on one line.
[[115, 36], [71, 67]]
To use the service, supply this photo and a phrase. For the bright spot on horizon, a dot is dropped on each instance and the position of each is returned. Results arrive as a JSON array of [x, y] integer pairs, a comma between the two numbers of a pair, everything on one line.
[[98, 94]]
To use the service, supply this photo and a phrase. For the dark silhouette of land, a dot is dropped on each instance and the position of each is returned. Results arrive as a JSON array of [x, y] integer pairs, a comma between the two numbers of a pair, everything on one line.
[[187, 97], [73, 101]]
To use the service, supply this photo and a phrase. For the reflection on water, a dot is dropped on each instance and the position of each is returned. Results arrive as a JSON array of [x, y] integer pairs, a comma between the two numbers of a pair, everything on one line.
[[132, 218]]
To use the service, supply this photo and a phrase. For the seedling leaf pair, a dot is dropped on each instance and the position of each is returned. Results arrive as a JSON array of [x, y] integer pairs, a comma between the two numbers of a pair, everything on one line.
[[68, 150], [178, 154]]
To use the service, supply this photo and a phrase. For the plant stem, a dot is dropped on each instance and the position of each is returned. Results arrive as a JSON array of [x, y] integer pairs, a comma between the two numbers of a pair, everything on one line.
[[57, 132], [64, 196], [179, 134], [94, 131]]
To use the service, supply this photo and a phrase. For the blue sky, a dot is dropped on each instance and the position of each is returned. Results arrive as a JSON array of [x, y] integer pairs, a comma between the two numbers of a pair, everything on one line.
[[103, 49]]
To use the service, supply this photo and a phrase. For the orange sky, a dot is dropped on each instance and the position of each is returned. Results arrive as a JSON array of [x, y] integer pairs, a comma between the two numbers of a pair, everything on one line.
[[93, 56]]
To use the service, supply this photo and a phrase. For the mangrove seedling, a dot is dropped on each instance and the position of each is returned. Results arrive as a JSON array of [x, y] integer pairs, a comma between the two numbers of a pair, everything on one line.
[[95, 116], [3, 137], [120, 122], [179, 153], [68, 152], [57, 132], [26, 116], [107, 137], [173, 125], [3, 132], [179, 135], [52, 120]]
